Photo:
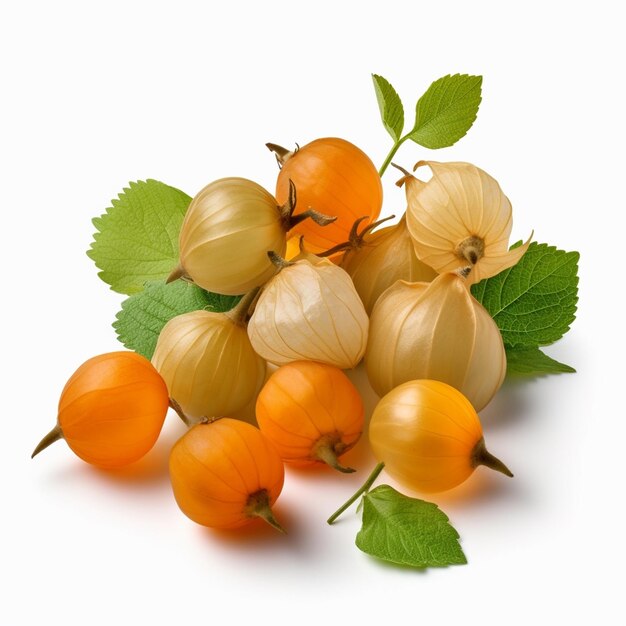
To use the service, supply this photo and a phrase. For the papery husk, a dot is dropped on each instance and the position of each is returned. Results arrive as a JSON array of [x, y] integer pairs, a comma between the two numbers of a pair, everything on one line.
[[460, 217], [228, 229], [208, 364], [310, 311], [383, 257], [435, 331]]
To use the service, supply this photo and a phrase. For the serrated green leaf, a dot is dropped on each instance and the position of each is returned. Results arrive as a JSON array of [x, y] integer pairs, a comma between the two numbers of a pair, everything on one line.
[[532, 362], [137, 238], [390, 105], [534, 302], [407, 531], [144, 314], [447, 110]]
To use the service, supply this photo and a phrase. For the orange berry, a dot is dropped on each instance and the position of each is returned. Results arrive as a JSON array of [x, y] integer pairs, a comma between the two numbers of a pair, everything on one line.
[[311, 412], [429, 436], [225, 474], [111, 410], [334, 177]]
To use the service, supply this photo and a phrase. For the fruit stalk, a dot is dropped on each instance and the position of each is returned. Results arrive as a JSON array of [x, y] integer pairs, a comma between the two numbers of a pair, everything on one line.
[[481, 456], [54, 435], [363, 489]]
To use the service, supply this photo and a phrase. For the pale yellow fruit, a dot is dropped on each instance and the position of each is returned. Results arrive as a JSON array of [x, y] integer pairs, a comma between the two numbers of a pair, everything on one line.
[[208, 364], [228, 229], [460, 218], [380, 259], [435, 331], [310, 311]]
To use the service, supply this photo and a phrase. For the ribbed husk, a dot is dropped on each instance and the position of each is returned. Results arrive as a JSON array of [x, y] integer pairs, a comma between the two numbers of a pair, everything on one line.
[[385, 256], [435, 331], [228, 229], [459, 205], [208, 364], [310, 311]]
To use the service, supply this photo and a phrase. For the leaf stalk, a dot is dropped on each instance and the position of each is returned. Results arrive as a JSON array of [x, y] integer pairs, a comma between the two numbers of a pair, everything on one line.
[[391, 154]]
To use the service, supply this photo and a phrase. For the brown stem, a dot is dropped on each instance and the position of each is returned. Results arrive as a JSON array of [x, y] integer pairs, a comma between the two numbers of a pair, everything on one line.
[[177, 272], [355, 238], [289, 220], [278, 260], [54, 435], [354, 231], [481, 456], [281, 154], [258, 505], [239, 313], [179, 411], [287, 209], [340, 247], [328, 448], [406, 173], [369, 228], [321, 219]]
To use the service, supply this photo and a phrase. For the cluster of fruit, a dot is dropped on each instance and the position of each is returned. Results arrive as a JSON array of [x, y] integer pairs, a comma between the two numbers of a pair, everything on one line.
[[323, 290]]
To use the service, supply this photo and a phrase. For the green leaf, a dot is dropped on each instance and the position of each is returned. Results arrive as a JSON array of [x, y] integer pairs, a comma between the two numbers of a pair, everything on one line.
[[447, 110], [534, 302], [143, 315], [407, 531], [137, 238], [390, 105], [532, 362]]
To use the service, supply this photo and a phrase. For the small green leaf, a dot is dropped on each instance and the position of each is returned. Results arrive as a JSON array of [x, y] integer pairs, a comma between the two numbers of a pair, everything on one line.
[[447, 110], [407, 531], [143, 315], [534, 302], [390, 105], [532, 362], [137, 238]]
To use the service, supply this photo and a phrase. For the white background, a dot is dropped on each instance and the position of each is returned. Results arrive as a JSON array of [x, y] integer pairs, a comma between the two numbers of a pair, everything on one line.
[[97, 94]]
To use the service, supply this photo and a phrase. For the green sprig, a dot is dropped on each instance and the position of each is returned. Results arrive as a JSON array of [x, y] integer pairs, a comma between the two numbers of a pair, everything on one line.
[[444, 113]]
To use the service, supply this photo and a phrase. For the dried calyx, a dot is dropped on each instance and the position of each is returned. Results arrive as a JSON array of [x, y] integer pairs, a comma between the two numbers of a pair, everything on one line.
[[281, 154], [328, 448], [289, 220], [471, 249], [258, 505], [356, 239]]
